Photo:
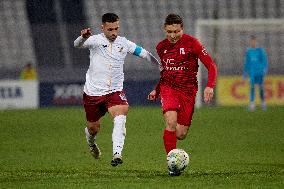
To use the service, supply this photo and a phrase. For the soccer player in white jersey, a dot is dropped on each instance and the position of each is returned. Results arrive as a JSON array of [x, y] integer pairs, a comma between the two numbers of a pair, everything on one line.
[[103, 89]]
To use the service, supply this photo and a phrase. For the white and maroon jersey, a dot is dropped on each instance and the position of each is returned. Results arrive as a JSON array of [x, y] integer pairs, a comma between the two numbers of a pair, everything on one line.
[[105, 74]]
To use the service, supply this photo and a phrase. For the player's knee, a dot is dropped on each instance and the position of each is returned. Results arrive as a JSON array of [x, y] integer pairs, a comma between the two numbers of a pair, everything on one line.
[[181, 136], [181, 132], [93, 128], [118, 110], [171, 124]]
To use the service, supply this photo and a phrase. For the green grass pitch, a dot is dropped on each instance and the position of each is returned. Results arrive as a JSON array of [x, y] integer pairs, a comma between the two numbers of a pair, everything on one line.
[[229, 147]]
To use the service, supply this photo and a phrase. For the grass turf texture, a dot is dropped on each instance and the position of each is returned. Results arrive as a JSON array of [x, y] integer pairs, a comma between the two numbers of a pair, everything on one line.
[[230, 147]]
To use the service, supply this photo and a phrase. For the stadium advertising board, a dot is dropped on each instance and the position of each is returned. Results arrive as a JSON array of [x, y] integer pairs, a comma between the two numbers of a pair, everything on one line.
[[61, 94], [70, 93], [233, 90], [16, 94]]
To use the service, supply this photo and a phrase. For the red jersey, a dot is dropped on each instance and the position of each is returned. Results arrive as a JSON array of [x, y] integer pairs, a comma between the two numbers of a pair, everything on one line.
[[180, 63]]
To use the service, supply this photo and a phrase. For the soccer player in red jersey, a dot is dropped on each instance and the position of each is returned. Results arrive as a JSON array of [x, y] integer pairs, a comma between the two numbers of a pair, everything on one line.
[[179, 54]]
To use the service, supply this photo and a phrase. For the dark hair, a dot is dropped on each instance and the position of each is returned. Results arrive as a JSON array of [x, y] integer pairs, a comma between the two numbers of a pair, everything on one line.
[[173, 19], [28, 64], [253, 37], [109, 17]]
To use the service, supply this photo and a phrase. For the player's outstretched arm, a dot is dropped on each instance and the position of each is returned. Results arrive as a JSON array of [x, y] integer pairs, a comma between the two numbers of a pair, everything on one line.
[[143, 53], [150, 58], [85, 34], [147, 55]]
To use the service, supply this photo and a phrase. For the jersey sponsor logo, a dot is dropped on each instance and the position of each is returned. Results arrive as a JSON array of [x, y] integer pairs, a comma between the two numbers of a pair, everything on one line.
[[172, 61], [104, 46], [169, 61], [177, 68]]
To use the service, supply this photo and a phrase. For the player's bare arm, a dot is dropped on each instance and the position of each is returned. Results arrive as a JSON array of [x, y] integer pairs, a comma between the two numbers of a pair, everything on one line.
[[208, 94]]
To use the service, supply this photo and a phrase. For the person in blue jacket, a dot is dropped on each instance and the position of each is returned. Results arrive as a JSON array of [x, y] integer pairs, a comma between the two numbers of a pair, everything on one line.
[[255, 66]]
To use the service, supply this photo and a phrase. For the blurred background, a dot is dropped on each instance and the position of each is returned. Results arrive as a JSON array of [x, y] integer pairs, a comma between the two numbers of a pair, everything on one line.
[[42, 32]]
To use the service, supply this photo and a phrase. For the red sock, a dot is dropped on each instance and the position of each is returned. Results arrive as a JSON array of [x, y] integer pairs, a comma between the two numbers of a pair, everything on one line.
[[170, 140]]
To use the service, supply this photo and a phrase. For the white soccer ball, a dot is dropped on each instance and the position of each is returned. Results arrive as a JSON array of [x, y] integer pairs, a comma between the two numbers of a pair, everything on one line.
[[177, 160]]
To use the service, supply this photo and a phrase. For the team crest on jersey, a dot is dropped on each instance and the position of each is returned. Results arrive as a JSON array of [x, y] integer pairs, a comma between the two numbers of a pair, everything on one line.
[[165, 51], [181, 51], [122, 96]]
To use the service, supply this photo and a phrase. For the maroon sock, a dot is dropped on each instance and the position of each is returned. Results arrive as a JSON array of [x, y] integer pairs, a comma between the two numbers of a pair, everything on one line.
[[170, 140]]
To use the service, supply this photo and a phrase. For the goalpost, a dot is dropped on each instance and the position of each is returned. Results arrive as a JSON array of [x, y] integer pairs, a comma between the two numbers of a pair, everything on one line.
[[227, 39]]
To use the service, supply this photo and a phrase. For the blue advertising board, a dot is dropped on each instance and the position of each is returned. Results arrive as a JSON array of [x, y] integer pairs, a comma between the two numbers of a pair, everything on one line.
[[61, 94], [70, 93]]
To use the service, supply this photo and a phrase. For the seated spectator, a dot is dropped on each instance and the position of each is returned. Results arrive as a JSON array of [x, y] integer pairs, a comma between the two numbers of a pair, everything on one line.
[[28, 73]]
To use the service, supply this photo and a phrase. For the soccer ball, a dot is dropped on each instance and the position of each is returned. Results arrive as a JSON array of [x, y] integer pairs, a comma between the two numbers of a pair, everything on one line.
[[177, 160]]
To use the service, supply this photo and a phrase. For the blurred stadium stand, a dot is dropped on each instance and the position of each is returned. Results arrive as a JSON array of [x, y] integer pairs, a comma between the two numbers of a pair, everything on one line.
[[16, 40], [43, 31]]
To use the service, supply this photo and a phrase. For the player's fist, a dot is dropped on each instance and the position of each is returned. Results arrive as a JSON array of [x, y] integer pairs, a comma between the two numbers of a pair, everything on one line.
[[208, 94], [153, 95], [86, 33]]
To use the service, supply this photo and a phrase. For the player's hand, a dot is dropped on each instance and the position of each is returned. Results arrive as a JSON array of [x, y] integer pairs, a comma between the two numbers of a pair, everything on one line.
[[86, 33], [153, 95], [208, 94]]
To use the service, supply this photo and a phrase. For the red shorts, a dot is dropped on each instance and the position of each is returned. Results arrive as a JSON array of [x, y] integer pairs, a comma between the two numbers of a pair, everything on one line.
[[173, 100], [97, 106]]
